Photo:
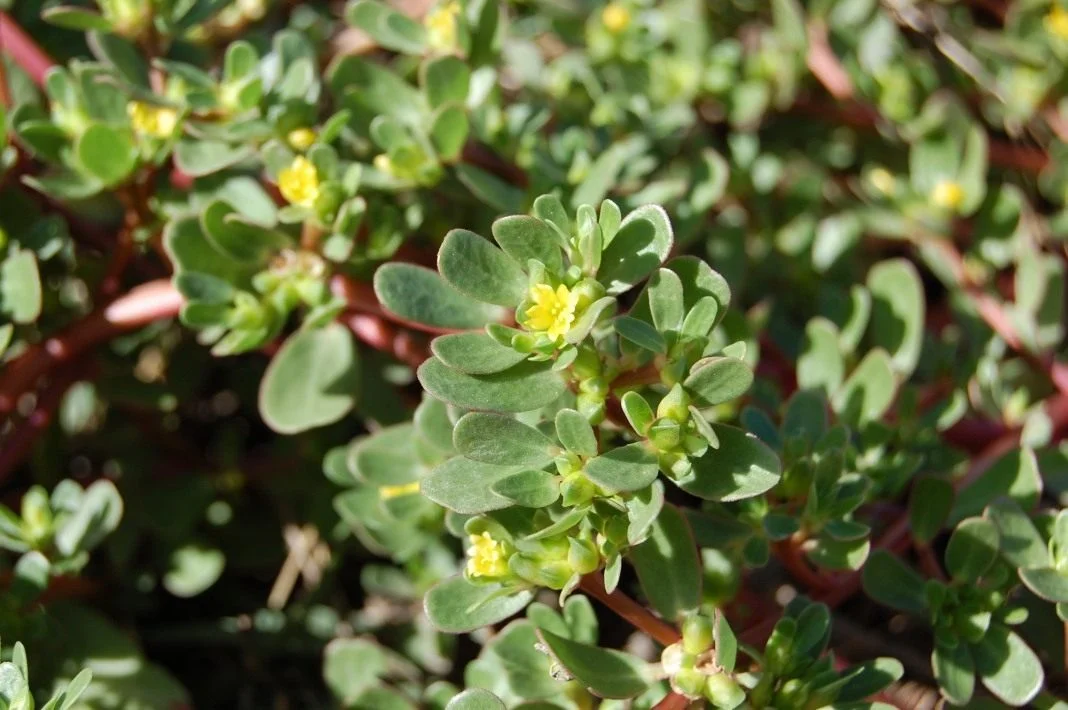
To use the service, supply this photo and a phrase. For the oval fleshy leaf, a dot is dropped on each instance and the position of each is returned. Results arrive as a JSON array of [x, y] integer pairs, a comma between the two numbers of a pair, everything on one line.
[[527, 386], [473, 266]]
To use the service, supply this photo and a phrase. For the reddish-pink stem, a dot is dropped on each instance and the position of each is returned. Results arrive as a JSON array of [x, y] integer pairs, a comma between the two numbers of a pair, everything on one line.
[[26, 53], [142, 305]]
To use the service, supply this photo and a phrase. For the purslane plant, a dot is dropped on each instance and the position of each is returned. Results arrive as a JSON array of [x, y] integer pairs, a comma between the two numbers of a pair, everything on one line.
[[875, 405]]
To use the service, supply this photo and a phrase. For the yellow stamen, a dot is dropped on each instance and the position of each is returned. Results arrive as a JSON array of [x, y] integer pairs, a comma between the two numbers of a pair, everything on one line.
[[486, 557], [947, 195], [616, 17], [402, 489], [149, 120], [301, 138], [299, 183], [883, 181], [1056, 22], [441, 25], [553, 311]]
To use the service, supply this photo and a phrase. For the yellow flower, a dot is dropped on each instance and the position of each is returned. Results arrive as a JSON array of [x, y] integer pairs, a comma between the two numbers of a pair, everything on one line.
[[299, 183], [441, 25], [486, 557], [883, 181], [616, 17], [1057, 22], [149, 120], [403, 489], [301, 138], [947, 195], [553, 311]]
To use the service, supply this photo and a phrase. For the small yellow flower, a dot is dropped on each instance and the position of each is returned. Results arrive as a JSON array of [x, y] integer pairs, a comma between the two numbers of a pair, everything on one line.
[[383, 164], [553, 311], [616, 17], [1056, 22], [301, 138], [441, 25], [149, 120], [947, 195], [883, 180], [403, 489], [486, 557], [299, 183]]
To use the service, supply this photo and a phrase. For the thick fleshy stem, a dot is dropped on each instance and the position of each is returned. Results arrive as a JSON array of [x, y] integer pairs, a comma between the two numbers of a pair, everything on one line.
[[144, 304], [24, 51], [630, 610]]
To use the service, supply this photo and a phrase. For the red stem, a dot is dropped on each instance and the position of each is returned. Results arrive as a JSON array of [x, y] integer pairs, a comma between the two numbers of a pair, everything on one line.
[[23, 50], [142, 305], [640, 617]]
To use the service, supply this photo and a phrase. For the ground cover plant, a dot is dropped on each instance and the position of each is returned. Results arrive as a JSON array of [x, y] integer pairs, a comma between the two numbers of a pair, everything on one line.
[[554, 355]]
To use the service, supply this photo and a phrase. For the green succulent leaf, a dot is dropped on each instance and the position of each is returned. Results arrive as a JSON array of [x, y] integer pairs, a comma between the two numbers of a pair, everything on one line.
[[890, 581], [501, 440], [954, 670], [668, 566], [643, 242], [475, 353], [419, 295], [475, 699], [1007, 666], [456, 606], [606, 672], [972, 549], [524, 387], [715, 380], [473, 266], [627, 468], [312, 380], [742, 467]]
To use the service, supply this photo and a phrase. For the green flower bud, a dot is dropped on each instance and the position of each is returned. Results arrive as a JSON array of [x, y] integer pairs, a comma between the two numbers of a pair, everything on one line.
[[780, 645], [567, 463], [675, 405], [792, 694], [587, 363], [594, 386], [673, 372], [576, 489], [689, 682], [674, 659], [588, 291], [553, 575], [723, 691], [582, 556], [695, 446], [666, 434], [675, 465], [36, 515], [591, 406], [697, 634]]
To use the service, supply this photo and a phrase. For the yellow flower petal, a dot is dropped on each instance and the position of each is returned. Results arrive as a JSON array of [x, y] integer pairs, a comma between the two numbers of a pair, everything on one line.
[[301, 138], [553, 311], [1056, 22], [149, 120], [616, 17], [486, 557], [299, 183], [947, 195]]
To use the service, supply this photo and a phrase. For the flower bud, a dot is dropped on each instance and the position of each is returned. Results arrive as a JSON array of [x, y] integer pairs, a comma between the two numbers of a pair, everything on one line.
[[697, 634], [689, 682], [674, 658], [723, 691], [591, 406], [792, 694], [666, 434], [576, 489], [582, 556], [675, 405]]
